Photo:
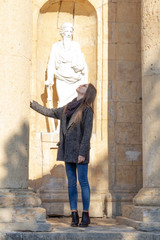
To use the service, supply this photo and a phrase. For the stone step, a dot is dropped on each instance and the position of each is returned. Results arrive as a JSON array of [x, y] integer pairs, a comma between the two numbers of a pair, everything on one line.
[[99, 229], [142, 213], [91, 233], [139, 225]]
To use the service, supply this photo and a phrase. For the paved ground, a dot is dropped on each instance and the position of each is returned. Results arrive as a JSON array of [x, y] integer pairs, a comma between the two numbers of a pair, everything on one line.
[[99, 229]]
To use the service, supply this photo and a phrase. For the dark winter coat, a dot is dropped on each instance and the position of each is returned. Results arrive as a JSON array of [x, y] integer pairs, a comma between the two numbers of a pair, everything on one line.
[[74, 137]]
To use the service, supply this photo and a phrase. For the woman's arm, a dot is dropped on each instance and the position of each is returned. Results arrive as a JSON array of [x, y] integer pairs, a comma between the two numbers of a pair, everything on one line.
[[87, 131], [48, 112]]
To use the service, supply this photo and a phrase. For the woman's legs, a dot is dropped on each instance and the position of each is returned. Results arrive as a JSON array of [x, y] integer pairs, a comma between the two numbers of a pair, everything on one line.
[[72, 184], [73, 195], [85, 189]]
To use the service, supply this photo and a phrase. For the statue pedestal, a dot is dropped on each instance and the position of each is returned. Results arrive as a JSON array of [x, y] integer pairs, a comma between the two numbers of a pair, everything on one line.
[[143, 218], [20, 210]]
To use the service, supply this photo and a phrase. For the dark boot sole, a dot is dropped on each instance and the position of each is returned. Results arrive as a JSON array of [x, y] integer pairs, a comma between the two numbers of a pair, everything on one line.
[[74, 225], [86, 225]]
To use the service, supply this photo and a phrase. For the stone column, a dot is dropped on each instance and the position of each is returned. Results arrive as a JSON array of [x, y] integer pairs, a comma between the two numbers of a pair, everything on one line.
[[19, 207], [145, 213]]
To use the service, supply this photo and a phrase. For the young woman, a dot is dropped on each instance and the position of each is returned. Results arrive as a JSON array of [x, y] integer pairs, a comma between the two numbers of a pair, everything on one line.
[[76, 120]]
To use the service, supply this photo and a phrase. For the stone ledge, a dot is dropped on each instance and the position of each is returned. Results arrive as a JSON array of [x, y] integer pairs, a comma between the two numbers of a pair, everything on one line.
[[140, 226], [147, 197], [99, 229], [22, 226], [57, 203], [18, 198], [142, 213], [20, 211], [24, 215]]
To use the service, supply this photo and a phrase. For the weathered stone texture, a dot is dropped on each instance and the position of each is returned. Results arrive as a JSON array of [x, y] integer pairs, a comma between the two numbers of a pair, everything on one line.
[[19, 207], [91, 31], [125, 108], [144, 214]]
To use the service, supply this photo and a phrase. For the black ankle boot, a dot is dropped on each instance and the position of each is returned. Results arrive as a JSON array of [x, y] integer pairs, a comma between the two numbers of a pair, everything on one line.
[[85, 220], [75, 219]]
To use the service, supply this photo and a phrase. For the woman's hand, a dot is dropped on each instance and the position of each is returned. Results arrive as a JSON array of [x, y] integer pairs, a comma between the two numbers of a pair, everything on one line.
[[31, 101], [81, 159]]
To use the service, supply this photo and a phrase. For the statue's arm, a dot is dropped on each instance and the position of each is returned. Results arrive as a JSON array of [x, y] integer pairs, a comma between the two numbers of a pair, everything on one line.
[[48, 112], [80, 65]]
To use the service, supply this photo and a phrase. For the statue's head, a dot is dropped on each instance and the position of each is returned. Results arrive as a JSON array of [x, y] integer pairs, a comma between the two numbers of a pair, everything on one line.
[[67, 29]]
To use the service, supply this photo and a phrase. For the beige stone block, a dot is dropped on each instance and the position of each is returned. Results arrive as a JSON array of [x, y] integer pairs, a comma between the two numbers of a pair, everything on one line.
[[151, 130], [151, 64], [105, 130], [126, 177], [129, 112], [147, 196], [111, 51], [139, 11], [112, 110], [105, 52], [139, 177], [151, 88], [129, 155], [128, 32], [98, 130], [110, 90], [129, 71], [139, 92], [112, 33], [141, 132], [112, 70], [127, 133], [128, 51], [126, 12], [22, 215], [26, 227], [12, 198], [111, 131], [146, 214], [112, 12], [112, 153], [16, 31], [115, 90], [127, 91], [105, 77], [112, 175], [105, 95], [57, 203]]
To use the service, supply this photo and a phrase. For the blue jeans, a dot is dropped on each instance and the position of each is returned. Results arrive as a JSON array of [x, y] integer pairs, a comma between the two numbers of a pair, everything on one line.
[[72, 184]]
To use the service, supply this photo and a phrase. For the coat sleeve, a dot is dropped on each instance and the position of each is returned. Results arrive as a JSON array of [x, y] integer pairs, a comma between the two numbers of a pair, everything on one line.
[[87, 131], [48, 112]]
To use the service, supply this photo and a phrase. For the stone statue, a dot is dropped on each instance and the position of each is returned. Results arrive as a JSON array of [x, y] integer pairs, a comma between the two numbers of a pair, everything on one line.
[[67, 65]]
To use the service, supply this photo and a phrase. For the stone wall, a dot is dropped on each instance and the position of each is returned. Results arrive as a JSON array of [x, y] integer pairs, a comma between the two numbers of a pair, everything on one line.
[[46, 175], [125, 108], [109, 34]]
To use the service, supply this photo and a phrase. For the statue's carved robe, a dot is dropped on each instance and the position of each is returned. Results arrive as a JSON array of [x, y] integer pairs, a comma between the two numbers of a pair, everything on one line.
[[68, 66]]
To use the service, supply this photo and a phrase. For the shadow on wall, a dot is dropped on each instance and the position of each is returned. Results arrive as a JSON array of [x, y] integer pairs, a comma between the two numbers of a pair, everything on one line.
[[151, 135], [124, 103], [53, 191], [17, 155], [44, 96]]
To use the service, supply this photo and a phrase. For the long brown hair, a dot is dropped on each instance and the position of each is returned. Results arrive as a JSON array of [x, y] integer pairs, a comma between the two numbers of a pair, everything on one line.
[[88, 100]]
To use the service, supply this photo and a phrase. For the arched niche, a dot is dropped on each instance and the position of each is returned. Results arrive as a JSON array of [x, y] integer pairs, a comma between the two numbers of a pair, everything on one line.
[[51, 15], [46, 174]]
